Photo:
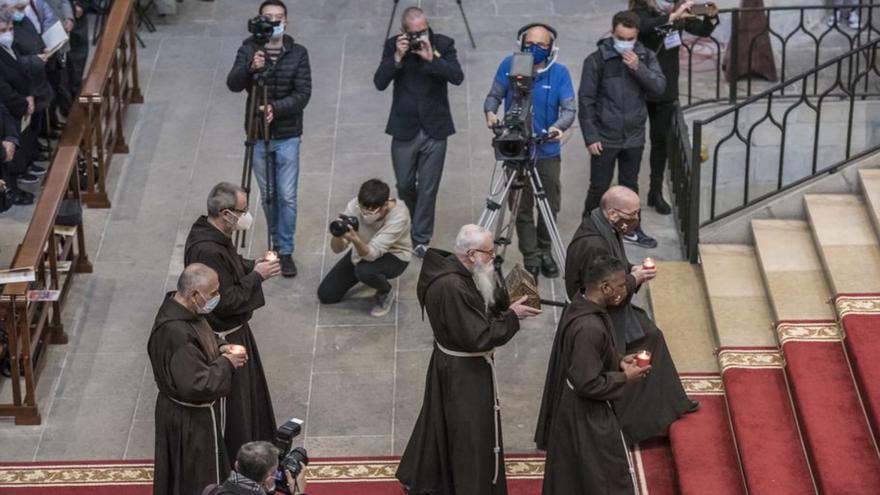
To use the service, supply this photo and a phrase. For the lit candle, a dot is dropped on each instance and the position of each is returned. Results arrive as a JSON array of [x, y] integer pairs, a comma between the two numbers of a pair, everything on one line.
[[236, 349], [271, 256], [649, 264], [643, 359]]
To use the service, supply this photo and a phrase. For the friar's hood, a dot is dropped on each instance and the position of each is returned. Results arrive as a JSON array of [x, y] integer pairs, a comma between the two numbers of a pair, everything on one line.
[[437, 264], [172, 310], [203, 231]]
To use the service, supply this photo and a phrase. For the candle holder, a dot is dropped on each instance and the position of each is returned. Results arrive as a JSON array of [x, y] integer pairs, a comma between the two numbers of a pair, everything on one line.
[[649, 264], [643, 359], [271, 256]]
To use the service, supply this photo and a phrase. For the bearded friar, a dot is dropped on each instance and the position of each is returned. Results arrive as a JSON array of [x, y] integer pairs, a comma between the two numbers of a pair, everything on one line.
[[647, 407], [456, 446]]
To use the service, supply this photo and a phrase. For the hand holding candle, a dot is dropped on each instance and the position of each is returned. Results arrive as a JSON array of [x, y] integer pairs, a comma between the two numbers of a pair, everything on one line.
[[643, 359], [237, 354], [649, 264], [271, 256]]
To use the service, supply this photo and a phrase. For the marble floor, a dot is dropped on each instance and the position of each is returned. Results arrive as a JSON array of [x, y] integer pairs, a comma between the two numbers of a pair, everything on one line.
[[356, 380]]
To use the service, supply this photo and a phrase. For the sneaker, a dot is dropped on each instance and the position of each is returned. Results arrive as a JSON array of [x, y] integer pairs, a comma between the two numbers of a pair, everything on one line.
[[28, 178], [853, 20], [383, 304], [19, 197], [288, 267], [420, 250], [833, 18], [641, 239], [37, 170]]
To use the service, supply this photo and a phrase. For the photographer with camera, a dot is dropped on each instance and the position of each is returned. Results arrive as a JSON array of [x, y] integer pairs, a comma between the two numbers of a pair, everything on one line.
[[421, 63], [660, 31], [284, 67], [616, 81], [377, 227], [256, 466], [553, 112]]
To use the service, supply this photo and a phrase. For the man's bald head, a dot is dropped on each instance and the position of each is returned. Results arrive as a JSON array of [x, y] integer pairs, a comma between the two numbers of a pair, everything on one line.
[[198, 278], [538, 35], [620, 198]]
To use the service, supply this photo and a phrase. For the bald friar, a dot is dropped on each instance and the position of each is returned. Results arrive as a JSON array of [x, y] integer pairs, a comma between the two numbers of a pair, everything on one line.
[[647, 407], [192, 372], [456, 445]]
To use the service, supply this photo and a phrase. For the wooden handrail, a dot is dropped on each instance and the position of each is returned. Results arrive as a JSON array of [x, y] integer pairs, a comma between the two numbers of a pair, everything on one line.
[[115, 28]]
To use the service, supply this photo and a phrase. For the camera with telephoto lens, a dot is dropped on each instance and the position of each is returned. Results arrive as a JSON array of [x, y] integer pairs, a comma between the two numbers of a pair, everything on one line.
[[289, 459], [261, 27], [415, 41], [339, 227], [514, 133]]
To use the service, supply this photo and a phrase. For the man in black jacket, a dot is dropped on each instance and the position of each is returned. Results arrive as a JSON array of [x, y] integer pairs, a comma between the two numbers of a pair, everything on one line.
[[16, 94], [420, 119], [285, 65]]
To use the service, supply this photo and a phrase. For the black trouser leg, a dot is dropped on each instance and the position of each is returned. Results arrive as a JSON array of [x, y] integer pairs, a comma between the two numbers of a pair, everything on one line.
[[601, 173], [339, 280], [660, 115], [629, 161], [376, 274]]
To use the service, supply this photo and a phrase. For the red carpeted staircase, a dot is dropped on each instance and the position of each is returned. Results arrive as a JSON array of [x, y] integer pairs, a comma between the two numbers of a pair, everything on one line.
[[860, 316]]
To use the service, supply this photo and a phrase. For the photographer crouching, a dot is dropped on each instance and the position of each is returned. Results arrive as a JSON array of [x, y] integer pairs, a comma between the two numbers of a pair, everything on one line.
[[377, 227], [256, 470], [283, 66]]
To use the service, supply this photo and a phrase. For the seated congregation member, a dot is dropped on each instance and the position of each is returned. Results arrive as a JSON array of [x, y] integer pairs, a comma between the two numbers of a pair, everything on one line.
[[379, 249], [249, 414], [16, 94], [193, 372], [255, 466], [577, 426], [648, 407]]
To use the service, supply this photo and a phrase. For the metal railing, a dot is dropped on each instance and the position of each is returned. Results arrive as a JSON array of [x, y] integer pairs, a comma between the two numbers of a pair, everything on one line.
[[789, 29], [851, 80]]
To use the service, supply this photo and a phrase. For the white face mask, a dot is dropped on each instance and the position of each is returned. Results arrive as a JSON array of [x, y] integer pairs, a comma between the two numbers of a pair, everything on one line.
[[278, 31], [245, 221], [6, 39], [210, 305], [372, 217], [621, 46]]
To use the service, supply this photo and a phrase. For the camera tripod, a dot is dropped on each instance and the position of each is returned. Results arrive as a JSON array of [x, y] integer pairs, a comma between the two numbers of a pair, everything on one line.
[[257, 122], [517, 174], [460, 8]]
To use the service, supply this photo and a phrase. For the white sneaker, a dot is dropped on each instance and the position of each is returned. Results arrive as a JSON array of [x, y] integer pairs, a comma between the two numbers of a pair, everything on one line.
[[853, 20], [833, 17], [383, 304]]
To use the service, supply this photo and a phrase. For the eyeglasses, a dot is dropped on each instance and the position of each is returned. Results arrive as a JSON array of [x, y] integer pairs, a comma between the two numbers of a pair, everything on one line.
[[628, 214], [490, 253], [369, 211]]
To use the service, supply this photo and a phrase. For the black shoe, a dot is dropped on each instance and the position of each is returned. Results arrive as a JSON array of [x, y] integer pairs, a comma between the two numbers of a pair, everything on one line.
[[19, 197], [28, 178], [693, 407], [655, 199], [41, 157], [641, 239], [534, 270], [42, 148], [288, 267], [37, 170], [548, 266]]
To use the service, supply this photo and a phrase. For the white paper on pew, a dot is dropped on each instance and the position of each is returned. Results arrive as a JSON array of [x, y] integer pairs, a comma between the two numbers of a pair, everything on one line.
[[16, 275], [54, 38]]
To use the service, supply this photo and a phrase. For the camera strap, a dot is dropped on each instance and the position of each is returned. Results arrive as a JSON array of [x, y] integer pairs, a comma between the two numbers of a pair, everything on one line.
[[489, 356], [209, 405]]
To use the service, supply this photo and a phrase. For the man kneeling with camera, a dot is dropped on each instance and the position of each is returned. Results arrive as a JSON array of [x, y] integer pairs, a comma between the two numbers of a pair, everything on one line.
[[377, 228], [256, 471]]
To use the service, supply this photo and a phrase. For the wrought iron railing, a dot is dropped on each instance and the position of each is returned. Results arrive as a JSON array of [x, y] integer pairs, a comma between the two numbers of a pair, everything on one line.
[[829, 98], [808, 31]]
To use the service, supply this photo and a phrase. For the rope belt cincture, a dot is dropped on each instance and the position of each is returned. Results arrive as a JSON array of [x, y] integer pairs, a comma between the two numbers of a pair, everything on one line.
[[210, 406], [489, 356], [222, 336]]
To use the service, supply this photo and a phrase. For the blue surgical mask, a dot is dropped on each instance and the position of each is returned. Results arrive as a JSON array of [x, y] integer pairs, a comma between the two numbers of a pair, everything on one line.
[[17, 16], [278, 31], [621, 46], [538, 54], [210, 304]]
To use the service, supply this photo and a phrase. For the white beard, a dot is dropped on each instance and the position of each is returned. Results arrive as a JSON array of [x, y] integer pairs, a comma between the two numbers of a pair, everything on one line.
[[484, 277]]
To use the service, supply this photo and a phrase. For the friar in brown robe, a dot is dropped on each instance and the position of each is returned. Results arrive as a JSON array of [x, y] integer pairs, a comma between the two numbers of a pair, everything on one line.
[[649, 406], [248, 408], [586, 452], [192, 373], [456, 446]]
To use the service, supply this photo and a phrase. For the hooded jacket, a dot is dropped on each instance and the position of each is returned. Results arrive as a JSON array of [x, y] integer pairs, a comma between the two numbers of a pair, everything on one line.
[[611, 97]]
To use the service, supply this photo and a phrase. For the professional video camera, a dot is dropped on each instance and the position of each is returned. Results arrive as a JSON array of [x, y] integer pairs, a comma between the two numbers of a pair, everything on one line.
[[289, 459], [261, 27], [514, 132]]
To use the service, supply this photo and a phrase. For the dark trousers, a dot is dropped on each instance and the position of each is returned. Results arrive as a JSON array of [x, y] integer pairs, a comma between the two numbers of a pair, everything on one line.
[[418, 167], [660, 114], [535, 240], [602, 171], [345, 275], [78, 54]]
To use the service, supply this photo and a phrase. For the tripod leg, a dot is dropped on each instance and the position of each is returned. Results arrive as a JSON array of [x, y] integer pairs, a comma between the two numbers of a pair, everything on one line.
[[495, 201], [547, 214], [466, 25], [391, 20]]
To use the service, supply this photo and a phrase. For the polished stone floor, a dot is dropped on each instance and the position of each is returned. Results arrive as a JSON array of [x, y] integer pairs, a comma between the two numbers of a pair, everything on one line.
[[356, 380]]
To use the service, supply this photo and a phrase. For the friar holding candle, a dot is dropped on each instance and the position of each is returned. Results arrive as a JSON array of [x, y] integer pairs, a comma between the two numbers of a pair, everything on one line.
[[586, 451], [248, 408], [647, 407], [193, 372]]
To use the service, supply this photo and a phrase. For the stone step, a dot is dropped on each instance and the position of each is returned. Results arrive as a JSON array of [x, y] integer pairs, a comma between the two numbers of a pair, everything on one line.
[[847, 242], [681, 311], [792, 271], [738, 300], [870, 181]]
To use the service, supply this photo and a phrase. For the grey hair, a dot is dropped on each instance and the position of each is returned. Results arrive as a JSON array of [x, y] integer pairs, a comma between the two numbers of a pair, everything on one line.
[[470, 237], [194, 277], [409, 13], [223, 197], [255, 459]]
